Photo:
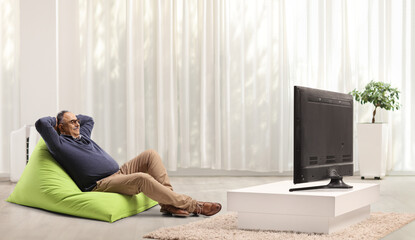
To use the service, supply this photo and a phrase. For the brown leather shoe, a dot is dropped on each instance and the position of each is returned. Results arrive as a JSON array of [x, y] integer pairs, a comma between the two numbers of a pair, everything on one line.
[[174, 211], [207, 208]]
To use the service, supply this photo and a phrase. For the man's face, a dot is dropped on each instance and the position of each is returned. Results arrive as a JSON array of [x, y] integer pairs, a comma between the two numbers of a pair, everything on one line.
[[70, 125]]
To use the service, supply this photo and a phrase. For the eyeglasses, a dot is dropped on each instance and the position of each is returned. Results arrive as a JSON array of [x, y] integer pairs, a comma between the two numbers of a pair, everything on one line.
[[74, 121]]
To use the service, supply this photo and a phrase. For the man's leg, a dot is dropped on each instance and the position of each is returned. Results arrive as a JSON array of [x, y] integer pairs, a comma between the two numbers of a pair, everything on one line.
[[146, 173], [135, 183], [148, 162]]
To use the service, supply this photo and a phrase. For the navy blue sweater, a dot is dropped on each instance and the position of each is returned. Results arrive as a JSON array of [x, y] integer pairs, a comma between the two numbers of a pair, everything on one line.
[[81, 158]]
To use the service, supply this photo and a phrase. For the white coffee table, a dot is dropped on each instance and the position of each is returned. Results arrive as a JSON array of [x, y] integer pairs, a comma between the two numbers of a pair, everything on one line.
[[273, 207]]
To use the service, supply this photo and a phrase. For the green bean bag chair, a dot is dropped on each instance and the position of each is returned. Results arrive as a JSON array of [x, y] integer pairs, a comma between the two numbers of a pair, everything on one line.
[[44, 184]]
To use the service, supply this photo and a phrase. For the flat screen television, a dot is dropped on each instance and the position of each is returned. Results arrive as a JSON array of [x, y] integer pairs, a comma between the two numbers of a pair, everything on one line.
[[323, 137]]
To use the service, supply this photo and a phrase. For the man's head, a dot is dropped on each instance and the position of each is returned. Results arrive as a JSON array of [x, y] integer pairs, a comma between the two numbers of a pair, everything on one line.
[[68, 124]]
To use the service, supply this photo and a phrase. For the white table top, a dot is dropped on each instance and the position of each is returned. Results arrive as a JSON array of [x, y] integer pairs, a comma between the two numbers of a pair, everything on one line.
[[284, 186]]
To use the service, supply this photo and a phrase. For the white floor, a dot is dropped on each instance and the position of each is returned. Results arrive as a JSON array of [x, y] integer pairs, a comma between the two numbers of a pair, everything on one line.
[[19, 222]]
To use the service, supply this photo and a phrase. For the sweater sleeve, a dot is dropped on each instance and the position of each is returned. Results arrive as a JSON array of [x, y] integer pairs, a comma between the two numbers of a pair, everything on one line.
[[87, 124], [45, 127]]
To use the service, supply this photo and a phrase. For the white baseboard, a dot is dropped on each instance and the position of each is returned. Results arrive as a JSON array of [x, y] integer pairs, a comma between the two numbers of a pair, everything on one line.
[[401, 173], [4, 176], [200, 172]]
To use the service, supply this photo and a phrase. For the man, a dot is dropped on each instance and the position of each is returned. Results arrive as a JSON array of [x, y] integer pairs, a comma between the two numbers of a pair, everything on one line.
[[92, 169]]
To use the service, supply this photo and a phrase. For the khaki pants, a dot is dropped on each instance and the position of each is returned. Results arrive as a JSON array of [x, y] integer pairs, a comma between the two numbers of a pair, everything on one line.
[[147, 174]]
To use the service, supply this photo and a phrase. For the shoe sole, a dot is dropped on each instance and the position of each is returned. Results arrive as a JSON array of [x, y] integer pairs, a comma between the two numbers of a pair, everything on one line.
[[174, 215]]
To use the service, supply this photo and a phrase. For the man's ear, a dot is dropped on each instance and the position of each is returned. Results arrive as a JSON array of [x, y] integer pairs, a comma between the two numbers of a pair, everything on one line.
[[60, 128]]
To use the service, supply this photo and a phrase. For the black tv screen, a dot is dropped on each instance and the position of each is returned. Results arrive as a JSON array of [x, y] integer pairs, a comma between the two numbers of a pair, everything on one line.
[[323, 134]]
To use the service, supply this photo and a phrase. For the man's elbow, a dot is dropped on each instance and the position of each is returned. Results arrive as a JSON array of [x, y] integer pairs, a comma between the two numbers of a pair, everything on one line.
[[43, 123], [85, 118], [38, 124]]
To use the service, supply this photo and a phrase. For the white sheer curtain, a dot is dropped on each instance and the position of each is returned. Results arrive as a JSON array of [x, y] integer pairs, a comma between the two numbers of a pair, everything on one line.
[[209, 83], [9, 85]]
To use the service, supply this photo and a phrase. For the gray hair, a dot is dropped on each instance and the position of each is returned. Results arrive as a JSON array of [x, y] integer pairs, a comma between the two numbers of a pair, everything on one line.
[[59, 118]]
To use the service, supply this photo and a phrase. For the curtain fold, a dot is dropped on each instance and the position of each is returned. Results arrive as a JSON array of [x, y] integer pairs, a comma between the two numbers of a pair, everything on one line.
[[9, 80], [209, 83]]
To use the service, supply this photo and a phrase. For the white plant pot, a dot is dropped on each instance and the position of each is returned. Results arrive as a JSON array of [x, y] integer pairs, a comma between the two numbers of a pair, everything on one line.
[[372, 149]]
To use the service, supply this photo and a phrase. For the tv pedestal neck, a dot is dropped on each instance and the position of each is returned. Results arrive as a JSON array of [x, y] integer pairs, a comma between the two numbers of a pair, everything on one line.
[[336, 181], [273, 207]]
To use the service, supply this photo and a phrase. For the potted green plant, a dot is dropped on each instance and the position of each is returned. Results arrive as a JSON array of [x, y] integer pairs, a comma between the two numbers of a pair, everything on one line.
[[373, 137], [380, 94]]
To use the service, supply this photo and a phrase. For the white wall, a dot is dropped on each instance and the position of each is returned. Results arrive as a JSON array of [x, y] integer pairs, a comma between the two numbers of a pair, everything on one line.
[[69, 57], [49, 62], [37, 59]]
